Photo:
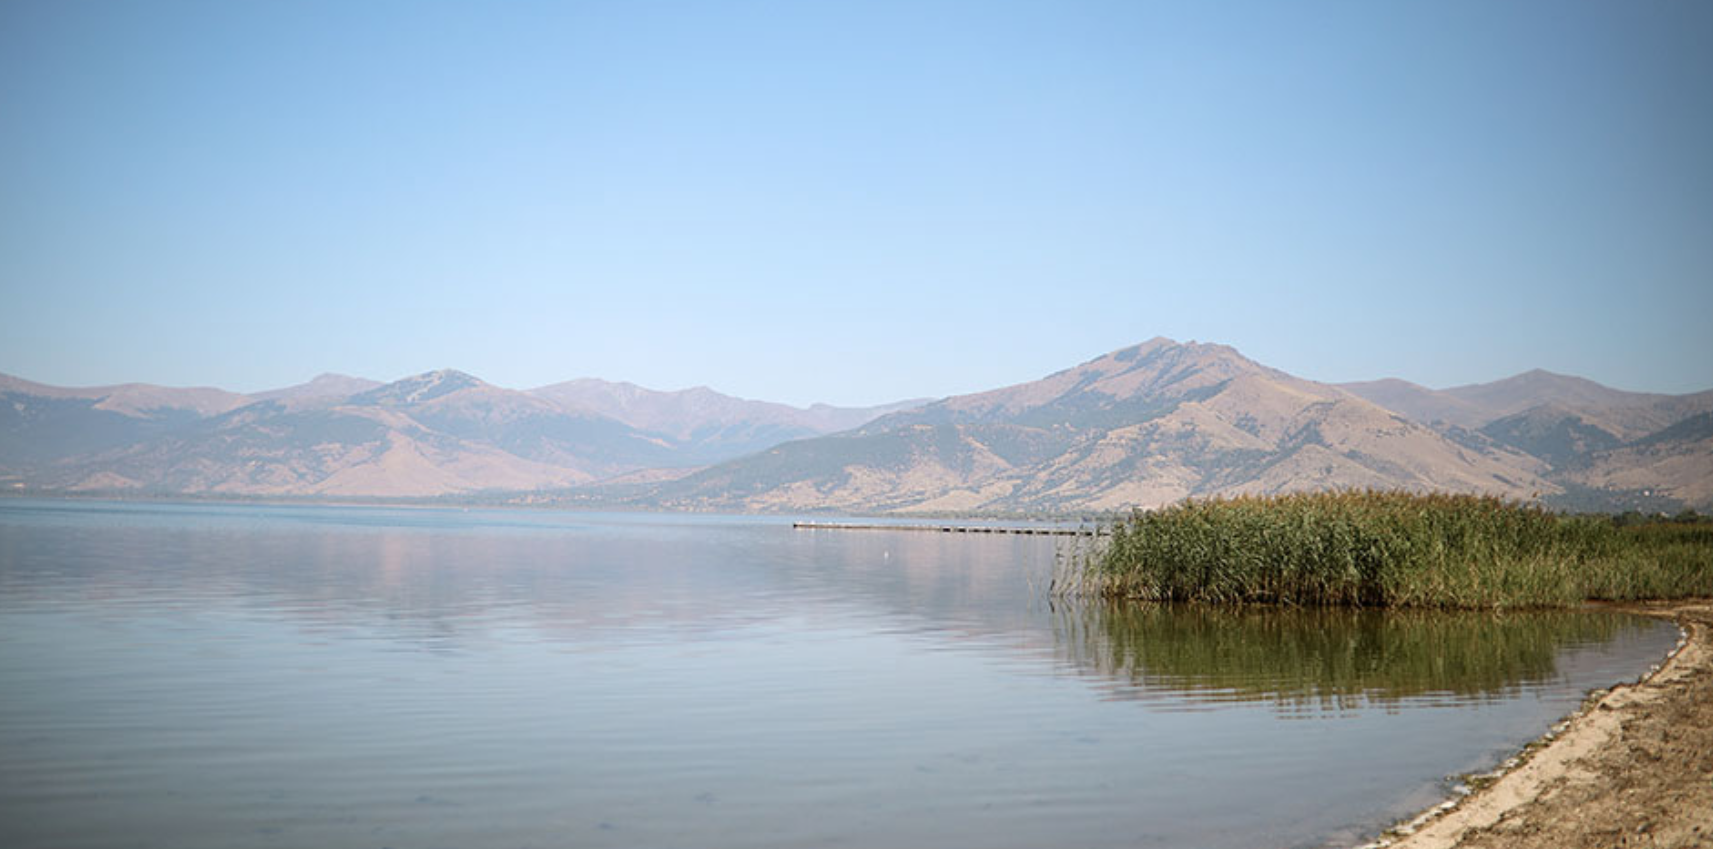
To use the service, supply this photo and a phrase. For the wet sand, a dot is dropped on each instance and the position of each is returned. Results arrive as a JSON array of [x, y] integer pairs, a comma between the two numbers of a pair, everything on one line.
[[1633, 768]]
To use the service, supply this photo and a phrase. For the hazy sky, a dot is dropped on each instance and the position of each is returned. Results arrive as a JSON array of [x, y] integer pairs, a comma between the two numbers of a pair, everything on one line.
[[853, 202]]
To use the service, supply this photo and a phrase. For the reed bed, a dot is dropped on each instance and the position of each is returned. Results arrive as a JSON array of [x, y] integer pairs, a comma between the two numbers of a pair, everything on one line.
[[1387, 549]]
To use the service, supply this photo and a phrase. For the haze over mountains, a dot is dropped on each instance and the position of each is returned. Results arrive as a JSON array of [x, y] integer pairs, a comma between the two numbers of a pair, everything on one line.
[[1142, 426], [712, 426], [434, 434]]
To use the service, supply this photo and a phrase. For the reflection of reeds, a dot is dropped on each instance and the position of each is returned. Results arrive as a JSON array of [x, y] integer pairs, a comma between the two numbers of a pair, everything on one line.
[[1333, 658], [1390, 549]]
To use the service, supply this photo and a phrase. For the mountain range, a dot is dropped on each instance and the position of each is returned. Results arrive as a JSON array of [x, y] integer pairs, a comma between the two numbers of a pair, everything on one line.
[[1138, 427], [434, 434]]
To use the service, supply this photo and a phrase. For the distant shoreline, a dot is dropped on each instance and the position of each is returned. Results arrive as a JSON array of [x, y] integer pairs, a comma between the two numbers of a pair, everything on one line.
[[454, 502]]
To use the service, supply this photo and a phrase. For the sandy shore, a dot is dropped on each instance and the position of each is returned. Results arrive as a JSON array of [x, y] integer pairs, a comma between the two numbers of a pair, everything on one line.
[[1633, 769]]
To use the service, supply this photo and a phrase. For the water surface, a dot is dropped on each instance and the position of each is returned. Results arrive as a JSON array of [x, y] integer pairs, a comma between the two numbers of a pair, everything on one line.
[[266, 676]]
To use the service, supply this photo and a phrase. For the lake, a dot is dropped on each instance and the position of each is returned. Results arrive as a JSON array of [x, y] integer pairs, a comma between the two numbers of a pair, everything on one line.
[[202, 675]]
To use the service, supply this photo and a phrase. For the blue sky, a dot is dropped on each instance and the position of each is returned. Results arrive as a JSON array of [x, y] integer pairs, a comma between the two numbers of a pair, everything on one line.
[[853, 202]]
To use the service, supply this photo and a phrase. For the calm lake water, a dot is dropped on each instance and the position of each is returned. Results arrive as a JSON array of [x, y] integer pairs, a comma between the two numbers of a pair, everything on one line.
[[257, 676]]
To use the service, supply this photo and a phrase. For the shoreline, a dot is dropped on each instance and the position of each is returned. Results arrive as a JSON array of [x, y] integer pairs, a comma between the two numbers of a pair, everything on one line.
[[1632, 767]]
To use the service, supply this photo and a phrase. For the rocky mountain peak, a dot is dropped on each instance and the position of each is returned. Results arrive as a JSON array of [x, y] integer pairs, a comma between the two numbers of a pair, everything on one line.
[[417, 389]]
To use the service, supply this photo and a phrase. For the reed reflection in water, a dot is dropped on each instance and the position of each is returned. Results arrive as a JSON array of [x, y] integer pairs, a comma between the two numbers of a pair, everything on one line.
[[1318, 659]]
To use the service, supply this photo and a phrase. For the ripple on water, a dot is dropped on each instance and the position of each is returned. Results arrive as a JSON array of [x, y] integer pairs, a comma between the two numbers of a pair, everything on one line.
[[236, 676]]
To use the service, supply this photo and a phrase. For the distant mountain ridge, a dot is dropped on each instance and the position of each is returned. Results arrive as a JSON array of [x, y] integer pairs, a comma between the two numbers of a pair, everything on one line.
[[322, 386], [140, 399], [1138, 427], [438, 433], [1605, 447], [714, 425], [1142, 426], [1475, 405]]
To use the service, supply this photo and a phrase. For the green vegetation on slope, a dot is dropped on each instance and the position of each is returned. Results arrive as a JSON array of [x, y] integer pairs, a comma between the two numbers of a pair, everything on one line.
[[1390, 549]]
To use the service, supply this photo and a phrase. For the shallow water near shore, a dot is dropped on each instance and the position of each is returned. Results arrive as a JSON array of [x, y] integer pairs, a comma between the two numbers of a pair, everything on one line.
[[274, 676]]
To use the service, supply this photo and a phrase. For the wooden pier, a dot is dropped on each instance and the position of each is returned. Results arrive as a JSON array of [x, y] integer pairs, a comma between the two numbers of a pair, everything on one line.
[[949, 529]]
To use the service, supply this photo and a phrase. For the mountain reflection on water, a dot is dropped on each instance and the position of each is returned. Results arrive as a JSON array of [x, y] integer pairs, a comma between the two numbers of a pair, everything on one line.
[[1321, 658]]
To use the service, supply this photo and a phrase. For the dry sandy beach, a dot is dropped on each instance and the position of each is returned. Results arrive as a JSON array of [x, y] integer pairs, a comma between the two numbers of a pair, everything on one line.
[[1634, 768]]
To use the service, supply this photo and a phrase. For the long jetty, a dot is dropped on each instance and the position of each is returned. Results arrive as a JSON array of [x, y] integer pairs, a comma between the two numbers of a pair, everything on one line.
[[947, 529]]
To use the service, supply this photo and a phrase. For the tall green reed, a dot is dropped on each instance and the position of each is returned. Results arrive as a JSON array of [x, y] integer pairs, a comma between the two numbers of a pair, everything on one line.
[[1388, 549]]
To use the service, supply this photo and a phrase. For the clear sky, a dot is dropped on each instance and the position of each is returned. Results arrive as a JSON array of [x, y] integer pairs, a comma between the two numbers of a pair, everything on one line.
[[853, 202]]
